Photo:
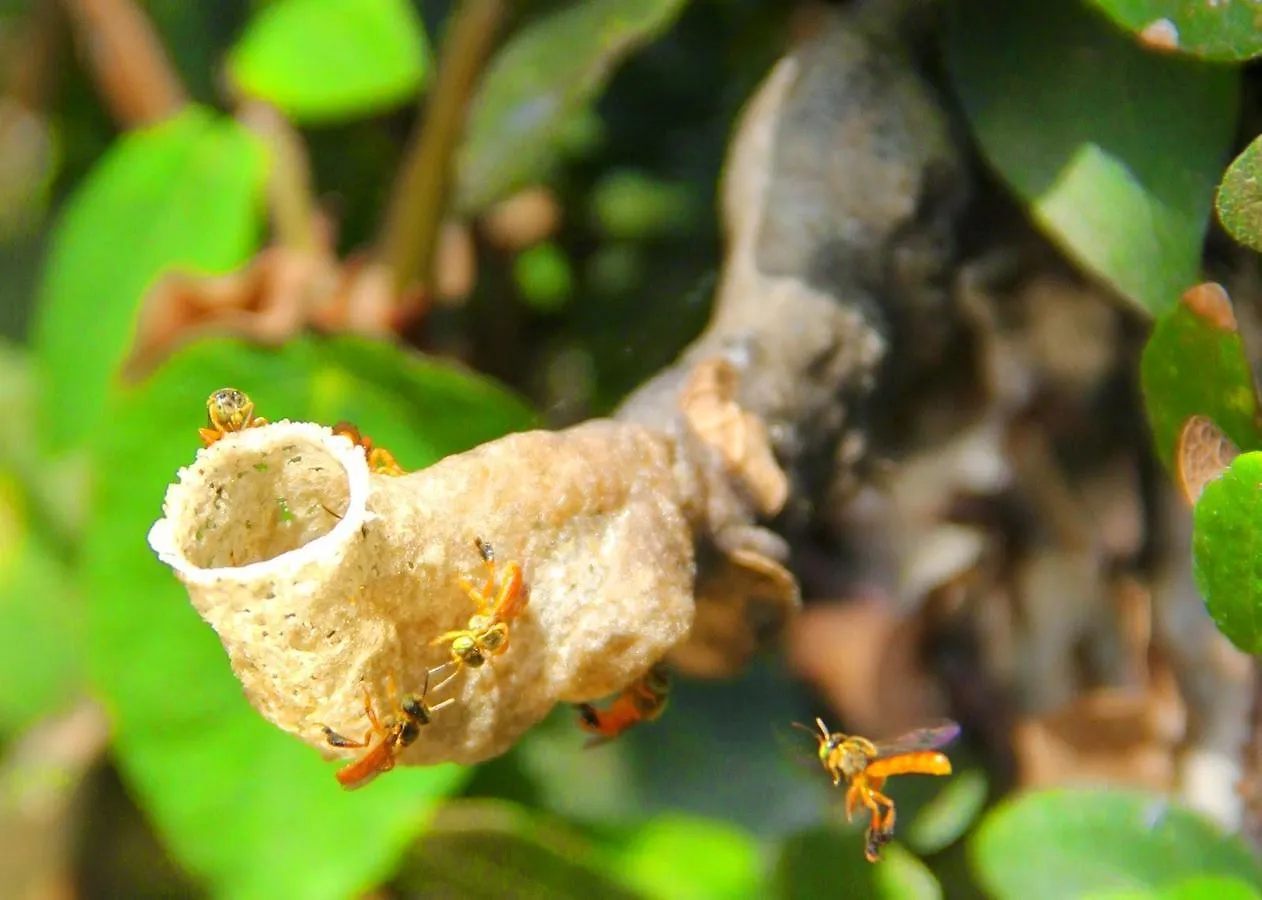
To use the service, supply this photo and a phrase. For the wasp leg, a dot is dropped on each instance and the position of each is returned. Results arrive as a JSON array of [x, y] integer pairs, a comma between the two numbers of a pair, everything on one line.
[[854, 797], [455, 662], [886, 824], [480, 596]]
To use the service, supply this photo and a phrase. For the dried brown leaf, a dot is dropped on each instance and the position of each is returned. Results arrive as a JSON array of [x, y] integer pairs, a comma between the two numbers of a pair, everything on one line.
[[1202, 454]]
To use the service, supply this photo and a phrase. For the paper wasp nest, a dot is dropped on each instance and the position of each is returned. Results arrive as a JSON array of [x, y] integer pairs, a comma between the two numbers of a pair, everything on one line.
[[321, 578]]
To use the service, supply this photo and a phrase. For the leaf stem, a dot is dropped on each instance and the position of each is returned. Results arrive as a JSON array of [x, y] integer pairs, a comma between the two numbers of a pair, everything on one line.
[[127, 61], [418, 201], [290, 197]]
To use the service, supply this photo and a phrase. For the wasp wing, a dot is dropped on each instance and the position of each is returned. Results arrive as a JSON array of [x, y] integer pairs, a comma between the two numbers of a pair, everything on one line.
[[929, 738]]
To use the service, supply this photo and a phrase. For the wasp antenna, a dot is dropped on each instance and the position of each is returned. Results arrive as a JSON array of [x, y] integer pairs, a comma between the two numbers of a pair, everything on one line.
[[809, 730], [823, 729]]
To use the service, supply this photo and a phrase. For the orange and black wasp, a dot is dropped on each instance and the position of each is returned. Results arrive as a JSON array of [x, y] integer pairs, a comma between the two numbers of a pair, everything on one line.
[[380, 460], [386, 737], [865, 765], [641, 701]]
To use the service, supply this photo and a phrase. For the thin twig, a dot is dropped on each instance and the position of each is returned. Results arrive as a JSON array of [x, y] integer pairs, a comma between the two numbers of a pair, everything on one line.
[[127, 61], [413, 220], [290, 196], [1251, 777]]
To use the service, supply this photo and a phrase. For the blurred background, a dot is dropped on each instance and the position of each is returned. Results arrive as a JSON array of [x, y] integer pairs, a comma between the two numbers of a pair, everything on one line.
[[447, 221]]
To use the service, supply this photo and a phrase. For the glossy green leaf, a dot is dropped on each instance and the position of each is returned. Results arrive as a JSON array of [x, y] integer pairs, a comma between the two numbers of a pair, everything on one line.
[[673, 857], [490, 848], [538, 82], [1227, 551], [1115, 150], [249, 808], [1195, 364], [825, 862], [1061, 843], [1240, 196], [1207, 29], [184, 194], [325, 60]]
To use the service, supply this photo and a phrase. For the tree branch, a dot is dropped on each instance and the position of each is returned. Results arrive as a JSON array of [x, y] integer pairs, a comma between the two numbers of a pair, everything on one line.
[[414, 217]]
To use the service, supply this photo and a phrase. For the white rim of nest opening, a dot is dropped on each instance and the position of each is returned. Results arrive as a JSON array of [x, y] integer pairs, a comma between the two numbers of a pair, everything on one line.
[[188, 491]]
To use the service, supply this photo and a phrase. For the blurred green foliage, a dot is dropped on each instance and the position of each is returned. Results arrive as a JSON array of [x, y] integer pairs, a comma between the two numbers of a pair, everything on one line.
[[1196, 367], [184, 195], [1115, 150], [1081, 842], [543, 76], [318, 61], [622, 108]]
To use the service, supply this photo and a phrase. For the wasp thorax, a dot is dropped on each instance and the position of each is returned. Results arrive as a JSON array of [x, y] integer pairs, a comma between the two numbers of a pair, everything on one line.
[[494, 639], [468, 650]]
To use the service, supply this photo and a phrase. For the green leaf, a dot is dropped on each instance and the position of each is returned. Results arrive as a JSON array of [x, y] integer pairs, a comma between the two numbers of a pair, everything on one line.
[[320, 61], [543, 276], [1240, 198], [491, 848], [1212, 889], [249, 808], [1067, 842], [1203, 28], [945, 818], [675, 857], [538, 82], [1195, 364], [1227, 551], [628, 205], [41, 619], [825, 862], [1115, 150], [183, 194]]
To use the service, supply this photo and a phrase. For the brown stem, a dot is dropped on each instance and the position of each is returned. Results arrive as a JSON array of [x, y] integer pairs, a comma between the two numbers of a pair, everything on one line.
[[1251, 777], [413, 220], [289, 184], [127, 61], [34, 52]]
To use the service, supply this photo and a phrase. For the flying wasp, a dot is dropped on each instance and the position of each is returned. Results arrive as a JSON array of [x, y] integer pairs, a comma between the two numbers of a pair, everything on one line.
[[228, 410], [386, 737], [641, 701], [865, 765]]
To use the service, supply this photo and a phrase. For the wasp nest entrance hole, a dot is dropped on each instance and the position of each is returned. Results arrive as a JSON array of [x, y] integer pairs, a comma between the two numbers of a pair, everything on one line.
[[263, 505]]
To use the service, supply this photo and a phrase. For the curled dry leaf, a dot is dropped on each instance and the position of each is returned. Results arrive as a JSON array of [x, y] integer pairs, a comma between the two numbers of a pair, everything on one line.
[[280, 292], [1203, 453], [708, 403], [1210, 302]]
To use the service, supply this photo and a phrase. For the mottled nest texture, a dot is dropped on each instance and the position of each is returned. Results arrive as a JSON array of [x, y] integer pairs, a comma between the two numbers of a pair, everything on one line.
[[323, 579]]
